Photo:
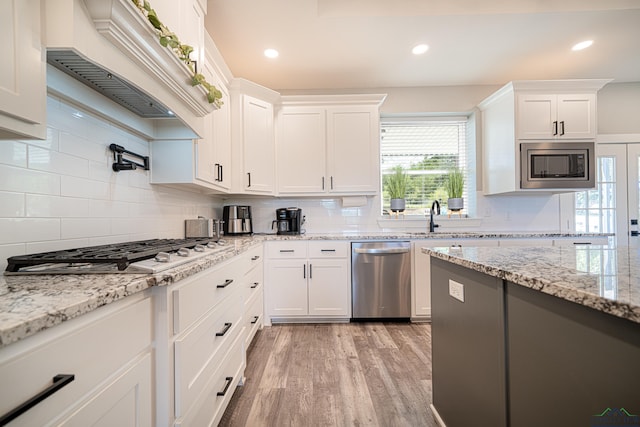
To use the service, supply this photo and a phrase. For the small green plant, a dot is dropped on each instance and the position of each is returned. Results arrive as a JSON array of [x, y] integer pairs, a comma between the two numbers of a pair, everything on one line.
[[169, 40], [455, 184], [397, 183]]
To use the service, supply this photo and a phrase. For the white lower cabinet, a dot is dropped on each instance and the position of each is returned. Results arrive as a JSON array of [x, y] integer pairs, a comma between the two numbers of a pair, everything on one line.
[[109, 354], [202, 336], [253, 295], [308, 281]]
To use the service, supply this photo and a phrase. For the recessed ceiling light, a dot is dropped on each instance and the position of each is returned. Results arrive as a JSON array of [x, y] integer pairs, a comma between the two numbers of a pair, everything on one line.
[[420, 49], [582, 45], [271, 53]]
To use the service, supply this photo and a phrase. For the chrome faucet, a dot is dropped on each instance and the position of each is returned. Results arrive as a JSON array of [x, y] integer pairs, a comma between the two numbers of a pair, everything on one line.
[[432, 225]]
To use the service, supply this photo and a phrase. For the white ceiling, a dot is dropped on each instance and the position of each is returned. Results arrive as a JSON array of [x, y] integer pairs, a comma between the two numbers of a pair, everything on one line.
[[342, 44]]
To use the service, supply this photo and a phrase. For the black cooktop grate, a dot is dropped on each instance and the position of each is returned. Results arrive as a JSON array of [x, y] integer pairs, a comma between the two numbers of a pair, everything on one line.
[[121, 254]]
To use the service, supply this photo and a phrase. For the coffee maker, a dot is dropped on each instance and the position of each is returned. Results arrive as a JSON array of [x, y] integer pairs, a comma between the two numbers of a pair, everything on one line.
[[288, 220], [237, 220]]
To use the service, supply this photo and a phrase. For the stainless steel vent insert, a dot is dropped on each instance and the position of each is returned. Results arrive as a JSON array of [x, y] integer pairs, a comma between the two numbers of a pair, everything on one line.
[[108, 84]]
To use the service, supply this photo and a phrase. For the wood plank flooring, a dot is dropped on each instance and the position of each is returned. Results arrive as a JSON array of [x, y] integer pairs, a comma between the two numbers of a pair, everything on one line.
[[351, 374]]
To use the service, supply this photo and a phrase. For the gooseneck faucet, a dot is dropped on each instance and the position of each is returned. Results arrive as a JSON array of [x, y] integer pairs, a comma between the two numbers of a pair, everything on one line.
[[432, 225]]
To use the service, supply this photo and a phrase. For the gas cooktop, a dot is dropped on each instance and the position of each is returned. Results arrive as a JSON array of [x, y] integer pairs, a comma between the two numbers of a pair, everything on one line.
[[144, 256]]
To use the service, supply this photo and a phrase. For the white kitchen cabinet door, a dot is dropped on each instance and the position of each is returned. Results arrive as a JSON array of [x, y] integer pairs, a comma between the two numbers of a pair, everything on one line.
[[563, 116], [353, 141], [329, 287], [301, 150], [258, 146], [23, 90], [191, 31], [287, 288], [577, 116]]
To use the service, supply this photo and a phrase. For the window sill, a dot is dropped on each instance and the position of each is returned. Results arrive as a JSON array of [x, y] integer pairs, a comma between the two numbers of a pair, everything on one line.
[[419, 222]]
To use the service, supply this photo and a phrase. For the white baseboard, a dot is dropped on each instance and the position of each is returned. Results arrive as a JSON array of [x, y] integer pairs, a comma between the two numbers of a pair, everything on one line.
[[436, 415]]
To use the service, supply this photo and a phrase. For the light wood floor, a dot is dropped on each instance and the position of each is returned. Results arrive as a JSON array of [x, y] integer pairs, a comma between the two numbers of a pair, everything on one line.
[[353, 374]]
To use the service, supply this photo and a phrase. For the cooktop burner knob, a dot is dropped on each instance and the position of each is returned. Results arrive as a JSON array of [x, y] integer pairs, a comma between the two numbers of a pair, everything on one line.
[[163, 257], [198, 248], [183, 252]]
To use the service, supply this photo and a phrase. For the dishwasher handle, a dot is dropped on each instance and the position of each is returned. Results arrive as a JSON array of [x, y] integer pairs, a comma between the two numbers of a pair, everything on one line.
[[382, 251]]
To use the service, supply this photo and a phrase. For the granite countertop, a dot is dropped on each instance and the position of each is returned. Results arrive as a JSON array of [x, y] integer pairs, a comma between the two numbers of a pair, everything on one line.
[[32, 303], [601, 277]]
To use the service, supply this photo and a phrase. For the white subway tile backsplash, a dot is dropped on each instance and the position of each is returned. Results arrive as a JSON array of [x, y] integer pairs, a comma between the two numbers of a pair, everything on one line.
[[13, 153], [28, 181], [74, 228], [22, 230], [59, 163], [80, 146], [7, 251], [101, 171], [109, 209], [12, 205], [85, 188], [55, 206], [56, 245]]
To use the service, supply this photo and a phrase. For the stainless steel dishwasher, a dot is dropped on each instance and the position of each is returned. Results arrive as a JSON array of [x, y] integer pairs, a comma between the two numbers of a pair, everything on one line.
[[381, 280]]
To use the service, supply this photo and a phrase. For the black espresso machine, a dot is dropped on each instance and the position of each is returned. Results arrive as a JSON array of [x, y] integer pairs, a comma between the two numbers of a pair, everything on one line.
[[289, 221]]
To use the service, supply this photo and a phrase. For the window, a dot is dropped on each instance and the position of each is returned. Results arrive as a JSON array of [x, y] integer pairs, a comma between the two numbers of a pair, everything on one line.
[[427, 150], [596, 209]]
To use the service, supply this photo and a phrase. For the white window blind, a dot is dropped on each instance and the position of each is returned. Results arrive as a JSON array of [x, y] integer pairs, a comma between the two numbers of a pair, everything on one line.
[[427, 150]]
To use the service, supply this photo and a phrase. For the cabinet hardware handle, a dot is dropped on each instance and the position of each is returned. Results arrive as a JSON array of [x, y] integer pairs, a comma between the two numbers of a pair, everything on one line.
[[323, 182], [327, 250], [255, 285], [225, 284], [304, 271], [310, 271], [224, 330], [221, 173], [562, 127], [332, 182], [555, 127], [255, 320], [228, 382], [255, 258], [249, 174], [59, 381], [217, 166], [581, 243], [286, 251]]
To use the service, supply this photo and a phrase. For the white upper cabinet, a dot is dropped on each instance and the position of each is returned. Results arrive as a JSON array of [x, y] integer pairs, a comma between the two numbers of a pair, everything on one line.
[[23, 91], [257, 145], [328, 145], [301, 150], [563, 116]]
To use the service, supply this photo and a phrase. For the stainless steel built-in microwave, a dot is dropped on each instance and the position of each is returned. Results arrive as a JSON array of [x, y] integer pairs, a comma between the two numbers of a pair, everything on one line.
[[549, 165]]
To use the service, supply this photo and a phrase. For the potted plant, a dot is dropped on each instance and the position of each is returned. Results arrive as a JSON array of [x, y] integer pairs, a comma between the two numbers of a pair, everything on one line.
[[455, 186], [397, 188]]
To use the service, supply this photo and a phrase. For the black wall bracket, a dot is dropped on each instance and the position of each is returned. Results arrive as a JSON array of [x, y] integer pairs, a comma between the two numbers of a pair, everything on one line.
[[122, 164]]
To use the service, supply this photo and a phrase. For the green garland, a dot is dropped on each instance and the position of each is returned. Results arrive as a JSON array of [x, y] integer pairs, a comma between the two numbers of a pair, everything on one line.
[[170, 40]]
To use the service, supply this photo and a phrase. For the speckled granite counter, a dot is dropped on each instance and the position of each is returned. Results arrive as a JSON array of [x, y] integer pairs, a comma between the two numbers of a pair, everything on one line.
[[29, 304], [600, 277]]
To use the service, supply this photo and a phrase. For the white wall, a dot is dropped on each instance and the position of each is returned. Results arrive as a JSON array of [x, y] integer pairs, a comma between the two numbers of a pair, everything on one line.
[[61, 192], [619, 108]]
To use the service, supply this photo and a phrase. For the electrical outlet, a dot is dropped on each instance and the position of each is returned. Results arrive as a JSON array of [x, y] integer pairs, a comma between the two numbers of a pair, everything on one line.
[[456, 290]]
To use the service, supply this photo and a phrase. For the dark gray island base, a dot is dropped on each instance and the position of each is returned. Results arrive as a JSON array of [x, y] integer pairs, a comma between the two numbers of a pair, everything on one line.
[[511, 355]]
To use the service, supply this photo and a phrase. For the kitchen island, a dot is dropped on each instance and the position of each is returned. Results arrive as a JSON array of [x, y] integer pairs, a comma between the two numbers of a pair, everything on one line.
[[535, 336]]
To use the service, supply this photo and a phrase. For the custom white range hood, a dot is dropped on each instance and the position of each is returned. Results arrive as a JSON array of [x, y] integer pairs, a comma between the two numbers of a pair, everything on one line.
[[110, 46]]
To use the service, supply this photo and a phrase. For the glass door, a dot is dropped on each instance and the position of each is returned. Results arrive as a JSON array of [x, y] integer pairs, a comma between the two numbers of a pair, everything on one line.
[[614, 205]]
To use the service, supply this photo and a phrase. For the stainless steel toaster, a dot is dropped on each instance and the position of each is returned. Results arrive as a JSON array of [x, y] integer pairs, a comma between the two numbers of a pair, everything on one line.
[[203, 227]]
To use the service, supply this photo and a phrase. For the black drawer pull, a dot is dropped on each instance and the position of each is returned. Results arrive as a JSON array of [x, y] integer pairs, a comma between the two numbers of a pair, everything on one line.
[[255, 320], [224, 330], [287, 251], [255, 285], [59, 381], [255, 258], [225, 284], [581, 243], [228, 381], [327, 250]]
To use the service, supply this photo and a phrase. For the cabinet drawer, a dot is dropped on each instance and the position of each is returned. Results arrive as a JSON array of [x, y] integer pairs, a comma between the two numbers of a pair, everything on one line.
[[198, 294], [328, 249], [211, 403], [254, 280], [434, 243], [576, 241], [200, 351], [254, 257], [253, 315], [287, 249], [92, 348]]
